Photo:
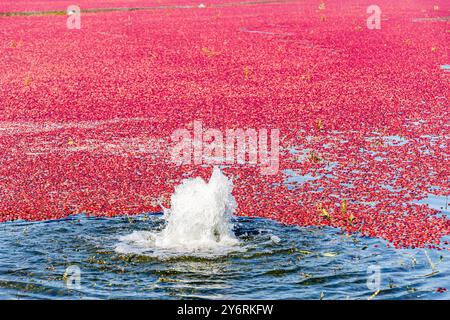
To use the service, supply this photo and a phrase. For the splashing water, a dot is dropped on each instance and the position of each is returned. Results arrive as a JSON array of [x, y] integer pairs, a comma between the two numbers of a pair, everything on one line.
[[198, 222]]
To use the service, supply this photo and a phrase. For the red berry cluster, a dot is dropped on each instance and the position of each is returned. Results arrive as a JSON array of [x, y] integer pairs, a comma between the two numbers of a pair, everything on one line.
[[86, 115]]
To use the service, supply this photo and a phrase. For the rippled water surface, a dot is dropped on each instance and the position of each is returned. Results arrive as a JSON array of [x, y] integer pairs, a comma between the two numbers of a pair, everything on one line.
[[273, 261]]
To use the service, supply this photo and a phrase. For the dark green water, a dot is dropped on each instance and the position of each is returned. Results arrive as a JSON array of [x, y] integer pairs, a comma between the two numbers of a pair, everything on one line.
[[273, 262]]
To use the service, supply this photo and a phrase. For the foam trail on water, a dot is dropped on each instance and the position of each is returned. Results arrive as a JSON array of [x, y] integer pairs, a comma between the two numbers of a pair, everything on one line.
[[199, 220]]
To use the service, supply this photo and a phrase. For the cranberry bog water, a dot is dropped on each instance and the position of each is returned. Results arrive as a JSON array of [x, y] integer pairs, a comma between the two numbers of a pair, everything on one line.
[[224, 149]]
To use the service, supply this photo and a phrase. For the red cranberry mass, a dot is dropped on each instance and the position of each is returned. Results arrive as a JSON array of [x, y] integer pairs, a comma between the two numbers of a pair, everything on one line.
[[86, 115]]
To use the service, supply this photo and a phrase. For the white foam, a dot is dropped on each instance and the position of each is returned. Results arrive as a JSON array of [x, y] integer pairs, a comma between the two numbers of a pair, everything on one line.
[[198, 222]]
